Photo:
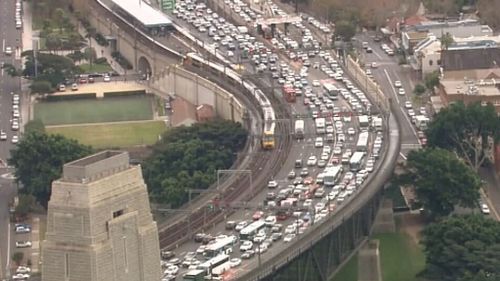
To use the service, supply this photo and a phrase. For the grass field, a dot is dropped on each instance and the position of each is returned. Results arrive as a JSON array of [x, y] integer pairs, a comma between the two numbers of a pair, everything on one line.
[[113, 135], [401, 259], [94, 111]]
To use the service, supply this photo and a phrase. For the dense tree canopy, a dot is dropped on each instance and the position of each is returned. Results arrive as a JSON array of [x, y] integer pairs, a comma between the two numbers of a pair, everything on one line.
[[463, 248], [188, 158], [345, 29], [441, 180], [52, 68], [468, 130], [38, 159]]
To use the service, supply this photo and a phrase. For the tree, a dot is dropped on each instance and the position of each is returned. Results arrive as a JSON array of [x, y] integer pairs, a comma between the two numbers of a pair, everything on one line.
[[462, 247], [188, 158], [41, 87], [50, 67], [431, 80], [469, 130], [480, 276], [35, 125], [25, 205], [18, 257], [11, 70], [441, 180], [345, 29], [446, 40], [38, 159], [76, 56], [419, 89]]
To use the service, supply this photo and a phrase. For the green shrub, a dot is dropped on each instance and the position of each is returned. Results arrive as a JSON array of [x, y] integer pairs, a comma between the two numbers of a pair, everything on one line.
[[71, 97]]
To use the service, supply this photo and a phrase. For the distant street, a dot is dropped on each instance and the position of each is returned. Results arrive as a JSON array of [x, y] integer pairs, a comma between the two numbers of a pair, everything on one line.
[[9, 37]]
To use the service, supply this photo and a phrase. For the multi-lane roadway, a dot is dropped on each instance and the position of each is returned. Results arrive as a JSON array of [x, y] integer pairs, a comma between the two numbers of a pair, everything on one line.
[[9, 37]]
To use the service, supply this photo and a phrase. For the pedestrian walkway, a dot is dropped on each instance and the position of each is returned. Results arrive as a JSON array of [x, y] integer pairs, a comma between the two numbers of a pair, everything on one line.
[[27, 35], [102, 51], [35, 244]]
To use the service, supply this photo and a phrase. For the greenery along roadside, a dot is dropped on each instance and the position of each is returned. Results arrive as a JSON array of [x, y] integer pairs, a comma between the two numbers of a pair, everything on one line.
[[189, 157], [463, 248], [38, 159]]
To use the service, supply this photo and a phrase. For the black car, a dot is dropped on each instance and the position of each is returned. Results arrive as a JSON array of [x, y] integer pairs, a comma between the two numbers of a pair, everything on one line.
[[167, 255], [198, 237]]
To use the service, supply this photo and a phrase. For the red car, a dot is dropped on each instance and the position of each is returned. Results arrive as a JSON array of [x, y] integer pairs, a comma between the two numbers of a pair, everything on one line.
[[257, 215]]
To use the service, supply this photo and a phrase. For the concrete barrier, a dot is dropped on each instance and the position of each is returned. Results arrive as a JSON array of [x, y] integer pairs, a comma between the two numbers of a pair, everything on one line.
[[197, 90]]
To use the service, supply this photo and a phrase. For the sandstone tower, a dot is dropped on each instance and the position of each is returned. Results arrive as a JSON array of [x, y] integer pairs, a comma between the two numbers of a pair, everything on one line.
[[99, 224]]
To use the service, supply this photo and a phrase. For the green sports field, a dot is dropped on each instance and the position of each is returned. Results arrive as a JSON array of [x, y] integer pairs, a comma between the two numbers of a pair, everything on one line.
[[125, 134], [94, 110]]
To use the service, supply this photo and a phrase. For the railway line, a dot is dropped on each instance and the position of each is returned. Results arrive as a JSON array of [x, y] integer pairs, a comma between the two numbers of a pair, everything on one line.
[[179, 231]]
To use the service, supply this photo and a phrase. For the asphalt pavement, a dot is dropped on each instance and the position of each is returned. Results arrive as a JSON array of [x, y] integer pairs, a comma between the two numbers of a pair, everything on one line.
[[9, 37]]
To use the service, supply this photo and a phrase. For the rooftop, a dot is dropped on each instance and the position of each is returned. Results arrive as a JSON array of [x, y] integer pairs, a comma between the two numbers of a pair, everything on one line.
[[463, 59], [95, 166], [474, 88], [143, 12]]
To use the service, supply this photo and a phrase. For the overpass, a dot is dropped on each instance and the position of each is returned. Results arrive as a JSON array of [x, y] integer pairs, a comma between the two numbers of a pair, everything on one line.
[[317, 255]]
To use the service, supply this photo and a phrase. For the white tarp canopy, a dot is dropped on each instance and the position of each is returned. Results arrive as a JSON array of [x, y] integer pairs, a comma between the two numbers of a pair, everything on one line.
[[143, 12]]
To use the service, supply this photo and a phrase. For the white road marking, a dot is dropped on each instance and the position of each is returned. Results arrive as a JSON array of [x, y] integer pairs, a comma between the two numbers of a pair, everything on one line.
[[402, 155], [404, 113], [3, 45]]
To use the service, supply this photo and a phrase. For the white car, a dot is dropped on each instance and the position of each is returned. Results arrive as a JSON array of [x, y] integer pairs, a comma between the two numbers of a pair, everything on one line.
[[316, 83], [341, 137], [234, 262], [351, 131], [8, 51], [15, 139], [241, 225], [23, 244], [107, 78], [398, 84], [3, 135], [172, 270], [270, 220], [318, 143], [21, 276], [23, 269], [272, 184], [246, 245], [289, 237], [401, 92], [260, 237], [408, 104], [312, 160], [485, 209]]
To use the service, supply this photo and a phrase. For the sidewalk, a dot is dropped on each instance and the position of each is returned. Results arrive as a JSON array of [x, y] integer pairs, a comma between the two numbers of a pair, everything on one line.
[[27, 34], [35, 247]]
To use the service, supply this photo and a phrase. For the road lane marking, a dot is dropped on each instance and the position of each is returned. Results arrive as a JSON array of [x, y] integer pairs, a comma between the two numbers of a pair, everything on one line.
[[402, 155], [404, 113]]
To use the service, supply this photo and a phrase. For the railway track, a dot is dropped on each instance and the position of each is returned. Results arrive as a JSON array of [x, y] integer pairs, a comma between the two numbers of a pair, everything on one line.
[[264, 165]]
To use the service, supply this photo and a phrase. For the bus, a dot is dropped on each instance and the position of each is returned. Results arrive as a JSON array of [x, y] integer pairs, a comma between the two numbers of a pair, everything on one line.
[[362, 144], [250, 230], [332, 175], [195, 275], [356, 161], [213, 263], [331, 90], [269, 125], [299, 129], [320, 125], [218, 271], [221, 246]]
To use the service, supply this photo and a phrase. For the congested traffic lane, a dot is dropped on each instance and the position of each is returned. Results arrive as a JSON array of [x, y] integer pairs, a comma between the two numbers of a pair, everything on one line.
[[301, 150]]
